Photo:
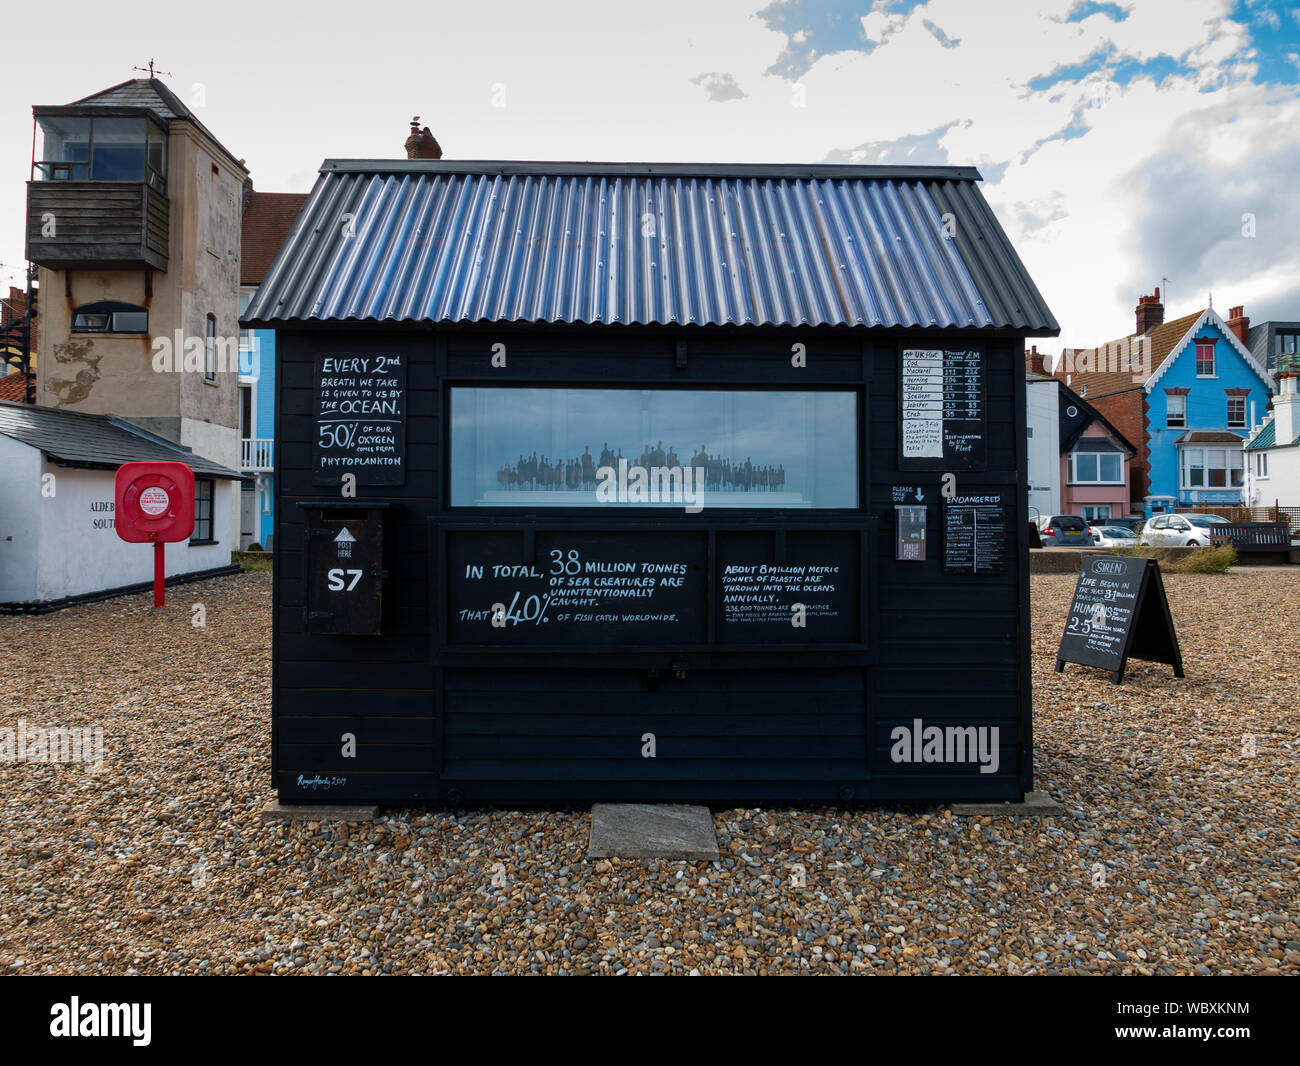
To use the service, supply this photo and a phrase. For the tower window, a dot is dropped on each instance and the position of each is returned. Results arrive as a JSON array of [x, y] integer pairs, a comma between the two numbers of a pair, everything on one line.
[[110, 317]]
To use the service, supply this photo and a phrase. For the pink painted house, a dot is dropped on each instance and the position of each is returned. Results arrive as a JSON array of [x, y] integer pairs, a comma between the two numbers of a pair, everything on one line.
[[1095, 459]]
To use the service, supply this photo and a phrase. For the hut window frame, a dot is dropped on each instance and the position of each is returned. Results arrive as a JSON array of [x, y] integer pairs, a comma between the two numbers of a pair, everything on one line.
[[833, 479]]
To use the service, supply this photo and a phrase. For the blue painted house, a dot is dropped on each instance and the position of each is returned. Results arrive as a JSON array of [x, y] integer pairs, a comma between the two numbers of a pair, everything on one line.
[[268, 217], [1202, 402], [1188, 392]]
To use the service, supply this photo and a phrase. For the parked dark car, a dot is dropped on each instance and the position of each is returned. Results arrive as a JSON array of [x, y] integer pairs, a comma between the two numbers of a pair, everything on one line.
[[1064, 530], [1132, 524]]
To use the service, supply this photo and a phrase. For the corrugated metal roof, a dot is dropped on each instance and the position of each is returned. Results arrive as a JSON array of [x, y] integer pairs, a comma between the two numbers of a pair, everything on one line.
[[666, 244]]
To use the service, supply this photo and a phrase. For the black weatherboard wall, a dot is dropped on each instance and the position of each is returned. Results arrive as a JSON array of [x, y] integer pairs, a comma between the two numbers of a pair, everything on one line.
[[445, 707]]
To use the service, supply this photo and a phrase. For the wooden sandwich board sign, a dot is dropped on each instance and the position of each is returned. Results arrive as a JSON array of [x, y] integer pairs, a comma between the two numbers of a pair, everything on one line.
[[1119, 611]]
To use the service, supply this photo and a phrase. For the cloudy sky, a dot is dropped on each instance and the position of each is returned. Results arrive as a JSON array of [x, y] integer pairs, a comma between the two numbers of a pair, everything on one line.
[[1120, 143]]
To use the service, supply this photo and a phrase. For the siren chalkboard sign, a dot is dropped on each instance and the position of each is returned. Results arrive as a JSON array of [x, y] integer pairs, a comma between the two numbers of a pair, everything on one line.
[[941, 421], [1119, 612], [360, 418]]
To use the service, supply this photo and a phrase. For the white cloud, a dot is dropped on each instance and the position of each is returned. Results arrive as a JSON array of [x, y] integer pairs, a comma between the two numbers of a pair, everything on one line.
[[288, 87]]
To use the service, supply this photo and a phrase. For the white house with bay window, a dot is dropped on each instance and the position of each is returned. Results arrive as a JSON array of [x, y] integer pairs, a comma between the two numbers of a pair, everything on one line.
[[1273, 451]]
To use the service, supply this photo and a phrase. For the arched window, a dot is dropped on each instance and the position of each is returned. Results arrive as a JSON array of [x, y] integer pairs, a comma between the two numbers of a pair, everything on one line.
[[210, 350], [109, 316]]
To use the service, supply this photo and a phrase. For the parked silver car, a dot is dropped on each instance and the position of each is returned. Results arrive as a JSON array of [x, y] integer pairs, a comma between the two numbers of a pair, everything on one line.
[[1180, 530], [1114, 537]]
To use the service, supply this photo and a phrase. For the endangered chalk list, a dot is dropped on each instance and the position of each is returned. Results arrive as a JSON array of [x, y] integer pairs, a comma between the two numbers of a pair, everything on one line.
[[975, 532], [941, 409], [360, 418], [1119, 611]]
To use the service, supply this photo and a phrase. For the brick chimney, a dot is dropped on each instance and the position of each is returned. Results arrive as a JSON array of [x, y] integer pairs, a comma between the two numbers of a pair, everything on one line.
[[1238, 322], [1150, 313], [1034, 361], [421, 143]]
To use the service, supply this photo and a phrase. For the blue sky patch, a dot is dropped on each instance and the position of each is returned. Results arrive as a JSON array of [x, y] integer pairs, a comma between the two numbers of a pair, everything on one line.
[[827, 26], [1275, 35], [1157, 69], [1072, 72], [940, 36], [1084, 8]]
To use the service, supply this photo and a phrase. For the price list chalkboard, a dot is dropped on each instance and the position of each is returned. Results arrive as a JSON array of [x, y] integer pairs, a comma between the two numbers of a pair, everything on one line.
[[941, 409], [1119, 611], [975, 533], [360, 418]]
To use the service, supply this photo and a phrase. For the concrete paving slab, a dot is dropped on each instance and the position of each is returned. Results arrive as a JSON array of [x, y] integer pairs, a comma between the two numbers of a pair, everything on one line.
[[275, 811], [652, 831], [1034, 805]]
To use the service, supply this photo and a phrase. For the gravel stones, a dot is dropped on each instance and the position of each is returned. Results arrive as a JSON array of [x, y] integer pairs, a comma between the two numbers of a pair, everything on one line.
[[1179, 854]]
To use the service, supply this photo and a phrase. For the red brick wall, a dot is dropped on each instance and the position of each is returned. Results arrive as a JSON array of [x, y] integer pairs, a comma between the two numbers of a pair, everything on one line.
[[1126, 411]]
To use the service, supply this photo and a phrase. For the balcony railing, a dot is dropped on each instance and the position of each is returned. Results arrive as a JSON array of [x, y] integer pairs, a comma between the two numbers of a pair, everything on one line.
[[256, 455]]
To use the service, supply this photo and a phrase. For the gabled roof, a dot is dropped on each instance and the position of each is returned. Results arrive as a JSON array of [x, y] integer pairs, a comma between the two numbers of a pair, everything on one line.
[[1163, 340], [1093, 416], [434, 241], [1166, 341], [99, 442], [1210, 317], [268, 217]]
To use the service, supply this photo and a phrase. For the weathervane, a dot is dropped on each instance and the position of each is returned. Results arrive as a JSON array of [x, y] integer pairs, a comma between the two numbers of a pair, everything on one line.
[[152, 72]]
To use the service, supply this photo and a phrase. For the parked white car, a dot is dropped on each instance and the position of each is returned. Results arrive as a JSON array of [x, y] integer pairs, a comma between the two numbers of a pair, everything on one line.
[[1180, 530], [1114, 537]]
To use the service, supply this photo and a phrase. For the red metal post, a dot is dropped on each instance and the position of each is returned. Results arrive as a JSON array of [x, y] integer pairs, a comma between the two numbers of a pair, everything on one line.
[[159, 574]]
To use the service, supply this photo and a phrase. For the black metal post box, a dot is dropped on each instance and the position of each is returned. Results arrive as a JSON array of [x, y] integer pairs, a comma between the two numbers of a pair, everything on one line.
[[346, 568]]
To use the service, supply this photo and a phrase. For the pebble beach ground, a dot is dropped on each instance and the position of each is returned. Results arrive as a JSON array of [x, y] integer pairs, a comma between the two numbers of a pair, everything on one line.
[[1179, 854]]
